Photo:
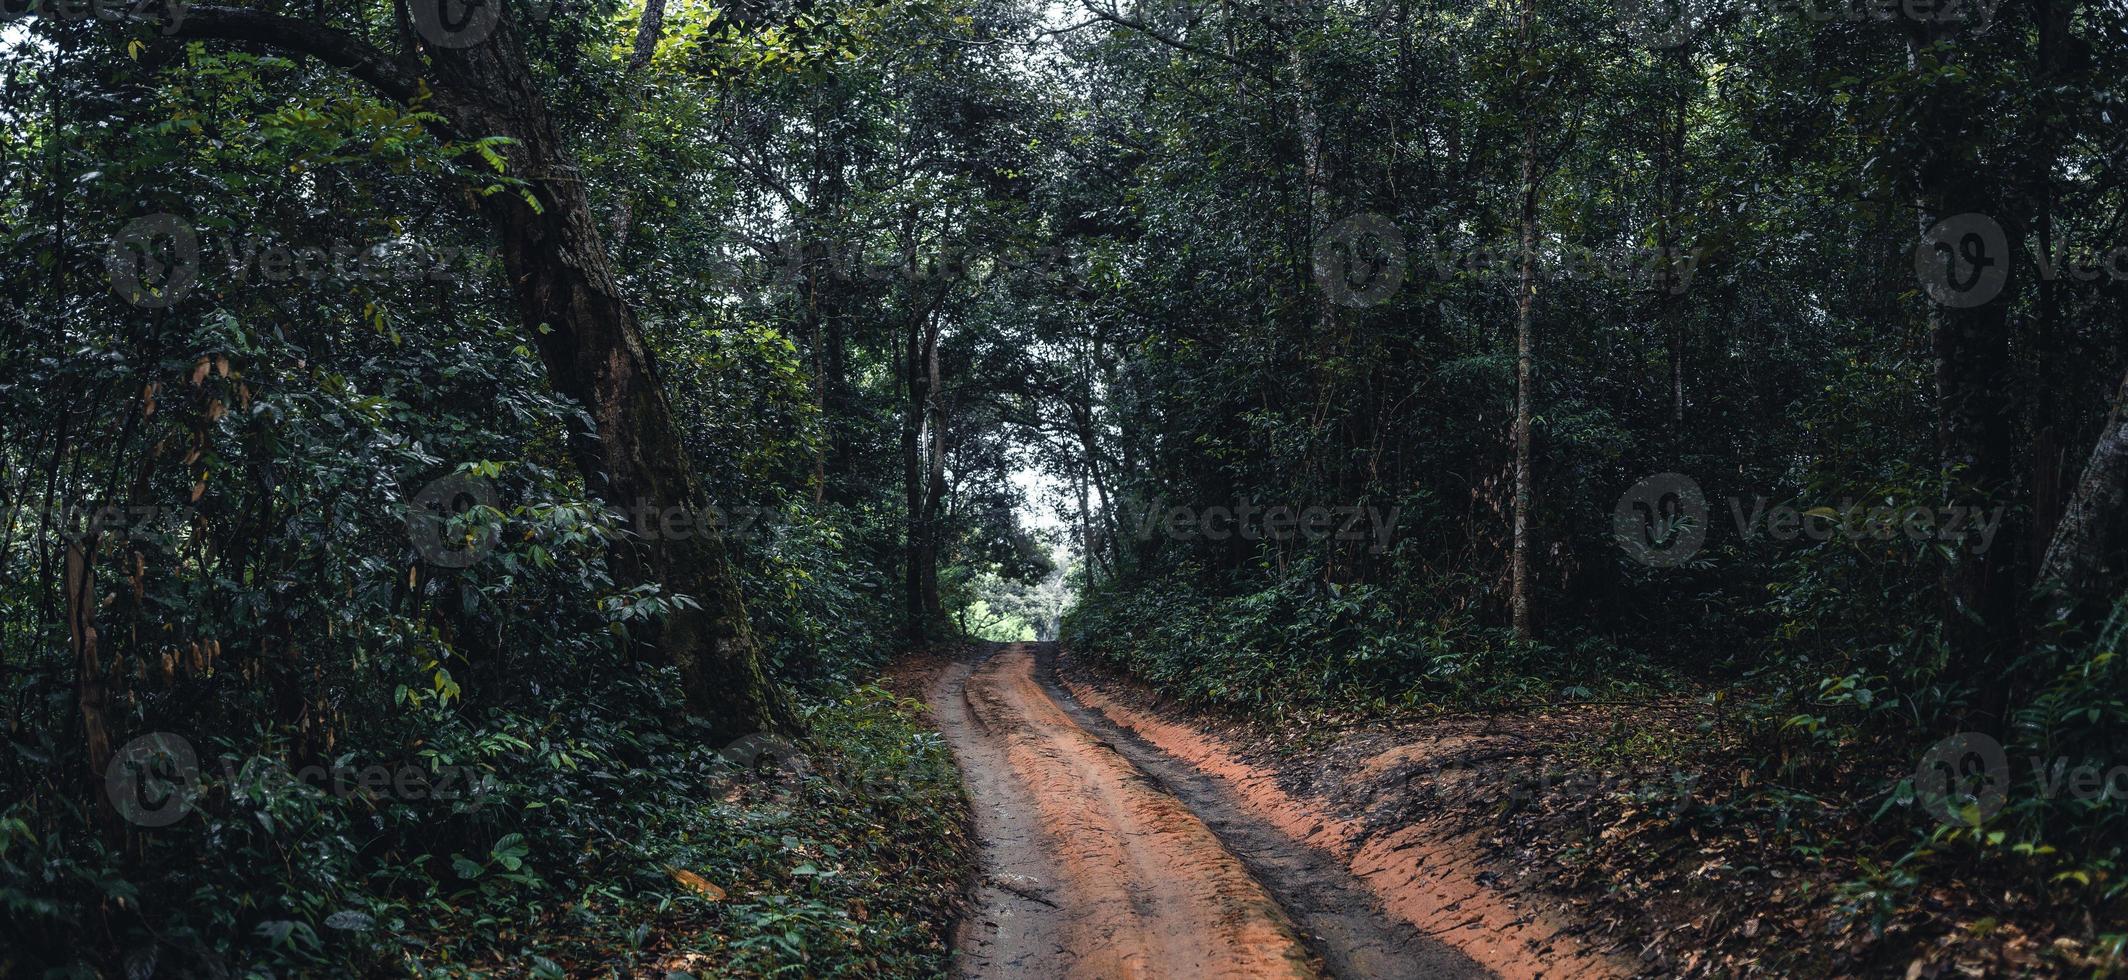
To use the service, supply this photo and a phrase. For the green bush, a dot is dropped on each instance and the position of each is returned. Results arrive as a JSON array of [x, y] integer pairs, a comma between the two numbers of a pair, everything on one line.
[[1299, 644], [588, 816]]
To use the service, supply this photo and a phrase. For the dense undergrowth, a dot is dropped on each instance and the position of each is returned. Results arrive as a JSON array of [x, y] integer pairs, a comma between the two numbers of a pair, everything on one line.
[[1298, 645], [599, 835]]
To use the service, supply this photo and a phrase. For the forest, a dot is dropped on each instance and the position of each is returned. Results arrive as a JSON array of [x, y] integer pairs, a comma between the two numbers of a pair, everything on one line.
[[1088, 488]]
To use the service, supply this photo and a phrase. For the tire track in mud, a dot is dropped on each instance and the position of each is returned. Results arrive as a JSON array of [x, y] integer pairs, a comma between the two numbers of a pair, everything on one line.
[[1093, 868], [1088, 869]]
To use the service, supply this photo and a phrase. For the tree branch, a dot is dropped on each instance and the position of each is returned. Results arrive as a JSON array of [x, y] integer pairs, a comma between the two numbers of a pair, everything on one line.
[[398, 80], [648, 30], [1116, 18]]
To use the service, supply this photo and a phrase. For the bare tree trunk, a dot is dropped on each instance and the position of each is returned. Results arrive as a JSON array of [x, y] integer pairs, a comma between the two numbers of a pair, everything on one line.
[[813, 321], [935, 492], [1670, 300], [92, 694], [834, 397], [1518, 597], [1325, 368], [1082, 419], [918, 395], [1094, 561], [913, 530], [820, 310]]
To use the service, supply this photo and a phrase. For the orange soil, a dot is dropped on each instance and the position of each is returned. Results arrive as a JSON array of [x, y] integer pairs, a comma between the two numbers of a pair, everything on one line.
[[1094, 872], [1422, 875]]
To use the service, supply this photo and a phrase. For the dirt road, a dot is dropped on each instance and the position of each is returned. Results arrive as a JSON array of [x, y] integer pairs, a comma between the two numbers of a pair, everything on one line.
[[1091, 868]]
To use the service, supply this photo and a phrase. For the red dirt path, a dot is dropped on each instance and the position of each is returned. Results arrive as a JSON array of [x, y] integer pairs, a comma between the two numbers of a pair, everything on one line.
[[1089, 869]]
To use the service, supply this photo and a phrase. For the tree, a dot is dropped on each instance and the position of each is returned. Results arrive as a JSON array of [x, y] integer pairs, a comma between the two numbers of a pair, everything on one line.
[[2084, 563], [1525, 299], [572, 309]]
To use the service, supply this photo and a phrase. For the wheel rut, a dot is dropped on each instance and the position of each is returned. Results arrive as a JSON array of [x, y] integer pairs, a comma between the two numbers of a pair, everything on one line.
[[1101, 856]]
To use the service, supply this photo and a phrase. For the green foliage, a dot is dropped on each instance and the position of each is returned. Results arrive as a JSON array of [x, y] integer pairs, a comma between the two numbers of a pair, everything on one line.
[[1300, 645], [278, 611], [563, 848]]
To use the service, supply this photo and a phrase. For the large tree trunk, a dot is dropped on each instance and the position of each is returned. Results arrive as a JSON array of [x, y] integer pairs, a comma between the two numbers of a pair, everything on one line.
[[585, 333], [1973, 407], [2089, 554], [594, 353], [2075, 564], [1973, 437]]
